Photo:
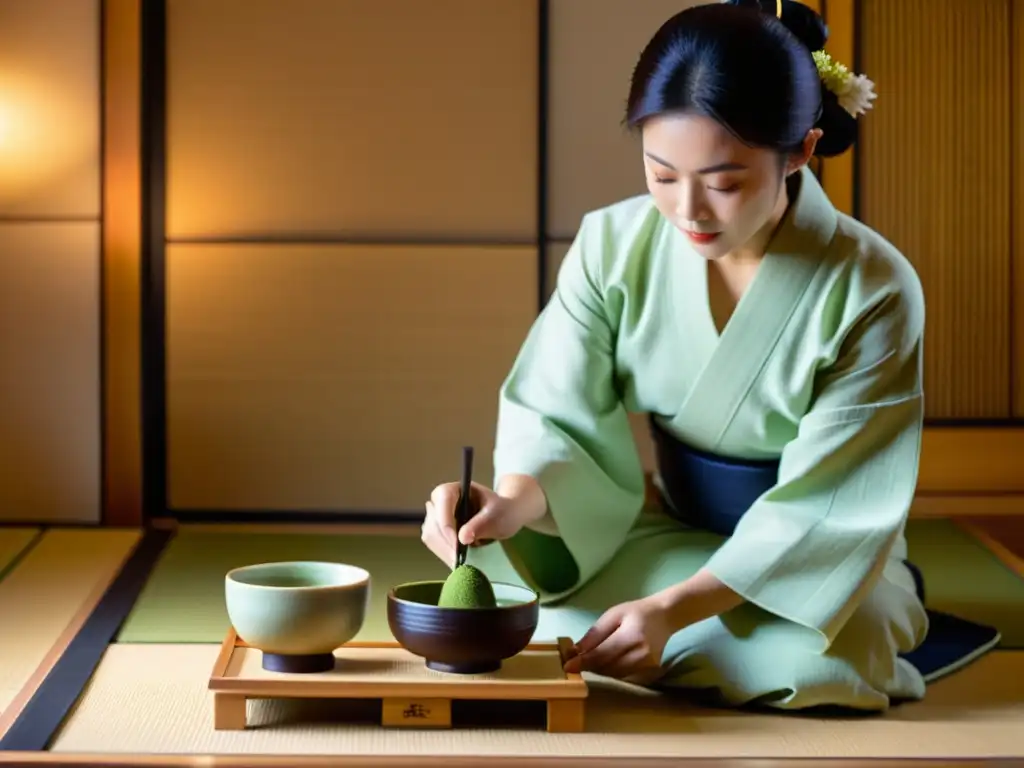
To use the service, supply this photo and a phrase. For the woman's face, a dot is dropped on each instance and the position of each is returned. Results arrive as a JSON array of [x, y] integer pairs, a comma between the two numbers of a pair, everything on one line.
[[724, 195]]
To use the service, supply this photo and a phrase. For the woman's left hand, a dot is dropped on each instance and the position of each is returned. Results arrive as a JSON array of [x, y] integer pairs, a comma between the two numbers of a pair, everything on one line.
[[626, 641]]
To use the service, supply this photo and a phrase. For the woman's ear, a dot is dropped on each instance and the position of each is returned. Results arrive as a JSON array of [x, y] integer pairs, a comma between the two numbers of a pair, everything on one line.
[[803, 157]]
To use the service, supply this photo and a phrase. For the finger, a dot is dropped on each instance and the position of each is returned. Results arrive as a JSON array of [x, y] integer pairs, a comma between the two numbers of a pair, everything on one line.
[[442, 513], [444, 498], [477, 528], [481, 501], [599, 632], [446, 533], [483, 526], [616, 645], [608, 647], [574, 665], [613, 661], [436, 539], [477, 496], [444, 548]]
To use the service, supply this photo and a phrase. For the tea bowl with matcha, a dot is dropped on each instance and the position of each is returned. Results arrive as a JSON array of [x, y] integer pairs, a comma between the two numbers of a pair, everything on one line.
[[464, 624], [297, 613]]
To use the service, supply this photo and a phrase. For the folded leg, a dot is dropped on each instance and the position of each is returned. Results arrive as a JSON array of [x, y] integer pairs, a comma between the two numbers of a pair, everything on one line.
[[749, 656]]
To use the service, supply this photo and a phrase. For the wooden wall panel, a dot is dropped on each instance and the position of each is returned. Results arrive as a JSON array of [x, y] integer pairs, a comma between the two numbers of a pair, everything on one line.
[[50, 378], [49, 109], [49, 261], [971, 460], [934, 179], [325, 377], [357, 118], [594, 46], [1017, 156]]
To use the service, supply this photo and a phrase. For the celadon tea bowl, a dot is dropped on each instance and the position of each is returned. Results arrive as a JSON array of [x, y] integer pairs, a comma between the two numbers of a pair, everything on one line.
[[297, 613], [462, 640]]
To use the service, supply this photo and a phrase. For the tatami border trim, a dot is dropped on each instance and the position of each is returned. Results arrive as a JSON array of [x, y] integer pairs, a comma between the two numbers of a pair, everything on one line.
[[998, 550], [39, 709], [434, 761]]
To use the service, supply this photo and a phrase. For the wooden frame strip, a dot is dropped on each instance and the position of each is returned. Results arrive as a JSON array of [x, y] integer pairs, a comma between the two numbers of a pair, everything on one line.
[[121, 264], [981, 505], [839, 173], [1017, 201]]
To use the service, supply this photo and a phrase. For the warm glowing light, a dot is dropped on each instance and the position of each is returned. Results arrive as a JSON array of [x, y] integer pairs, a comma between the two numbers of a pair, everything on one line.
[[47, 136]]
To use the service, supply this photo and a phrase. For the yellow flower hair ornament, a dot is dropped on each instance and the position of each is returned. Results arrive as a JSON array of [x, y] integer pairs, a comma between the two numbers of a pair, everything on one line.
[[854, 92]]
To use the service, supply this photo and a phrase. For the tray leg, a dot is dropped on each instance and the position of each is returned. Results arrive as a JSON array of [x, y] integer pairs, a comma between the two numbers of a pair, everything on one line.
[[229, 712], [417, 713], [565, 715]]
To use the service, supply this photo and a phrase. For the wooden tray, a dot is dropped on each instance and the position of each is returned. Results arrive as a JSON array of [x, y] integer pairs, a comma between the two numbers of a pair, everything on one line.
[[412, 695]]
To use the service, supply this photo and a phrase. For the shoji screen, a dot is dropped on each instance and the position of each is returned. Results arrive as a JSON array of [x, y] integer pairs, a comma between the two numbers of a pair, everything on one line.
[[352, 244], [49, 260], [936, 178], [352, 227], [593, 161]]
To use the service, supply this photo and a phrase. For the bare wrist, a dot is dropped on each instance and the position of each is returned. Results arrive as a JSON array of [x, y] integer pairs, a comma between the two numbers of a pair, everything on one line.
[[526, 495], [699, 597]]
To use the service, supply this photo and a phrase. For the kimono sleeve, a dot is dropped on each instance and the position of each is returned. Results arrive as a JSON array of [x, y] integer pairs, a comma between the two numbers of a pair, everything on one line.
[[811, 547], [561, 421]]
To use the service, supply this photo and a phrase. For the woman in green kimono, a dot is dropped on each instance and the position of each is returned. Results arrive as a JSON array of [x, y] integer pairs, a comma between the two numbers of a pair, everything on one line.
[[776, 345]]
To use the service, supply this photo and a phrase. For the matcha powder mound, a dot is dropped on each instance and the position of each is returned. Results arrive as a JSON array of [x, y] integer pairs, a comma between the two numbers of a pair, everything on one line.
[[467, 587]]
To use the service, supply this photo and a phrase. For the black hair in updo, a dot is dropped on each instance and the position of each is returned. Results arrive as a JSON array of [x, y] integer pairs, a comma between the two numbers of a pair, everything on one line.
[[739, 64]]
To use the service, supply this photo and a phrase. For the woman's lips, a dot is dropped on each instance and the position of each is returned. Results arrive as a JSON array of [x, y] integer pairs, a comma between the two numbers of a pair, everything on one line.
[[703, 238]]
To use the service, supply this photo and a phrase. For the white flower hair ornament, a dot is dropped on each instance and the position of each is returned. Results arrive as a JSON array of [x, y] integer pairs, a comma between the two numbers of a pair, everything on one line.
[[854, 92]]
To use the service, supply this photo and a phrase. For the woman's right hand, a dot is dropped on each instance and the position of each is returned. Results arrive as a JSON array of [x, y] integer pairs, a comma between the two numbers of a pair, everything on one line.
[[493, 517]]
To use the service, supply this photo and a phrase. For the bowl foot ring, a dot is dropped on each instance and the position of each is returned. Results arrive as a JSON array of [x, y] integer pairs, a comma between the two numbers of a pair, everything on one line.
[[470, 668], [298, 664]]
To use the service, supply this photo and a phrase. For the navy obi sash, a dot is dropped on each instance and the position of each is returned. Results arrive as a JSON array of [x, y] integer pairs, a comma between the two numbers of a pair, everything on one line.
[[706, 491], [713, 493]]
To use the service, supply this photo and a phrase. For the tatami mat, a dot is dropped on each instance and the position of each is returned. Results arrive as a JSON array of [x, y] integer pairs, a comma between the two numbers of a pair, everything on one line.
[[152, 698], [45, 590], [966, 579], [183, 601], [14, 541]]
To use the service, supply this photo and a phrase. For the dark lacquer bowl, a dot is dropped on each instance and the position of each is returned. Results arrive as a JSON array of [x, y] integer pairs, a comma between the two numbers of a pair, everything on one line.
[[466, 641]]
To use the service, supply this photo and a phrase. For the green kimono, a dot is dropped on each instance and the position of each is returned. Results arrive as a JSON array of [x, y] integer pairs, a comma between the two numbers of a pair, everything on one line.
[[820, 366]]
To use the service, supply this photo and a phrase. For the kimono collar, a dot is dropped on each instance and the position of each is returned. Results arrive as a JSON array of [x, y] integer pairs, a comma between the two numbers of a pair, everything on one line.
[[810, 224]]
